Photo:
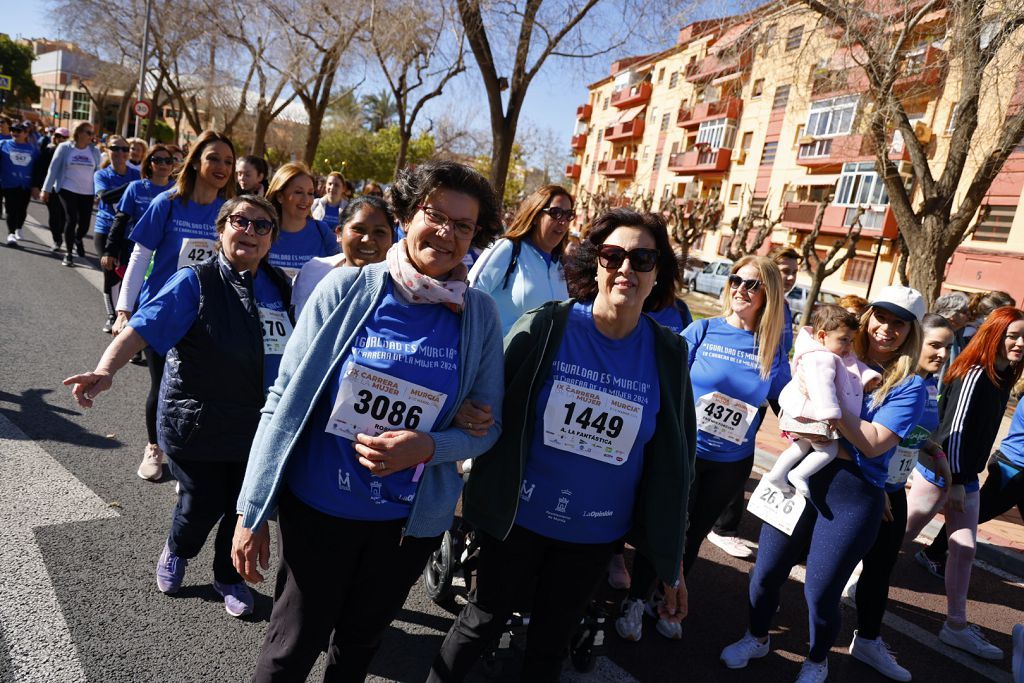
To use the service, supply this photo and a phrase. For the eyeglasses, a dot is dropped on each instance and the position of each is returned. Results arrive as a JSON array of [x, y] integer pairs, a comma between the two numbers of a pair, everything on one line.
[[464, 230], [163, 161], [560, 215], [735, 281], [260, 226], [119, 148], [641, 260]]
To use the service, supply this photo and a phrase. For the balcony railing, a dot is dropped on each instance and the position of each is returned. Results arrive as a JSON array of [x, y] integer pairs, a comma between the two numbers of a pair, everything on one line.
[[573, 171], [584, 111], [729, 107], [922, 71], [579, 141], [632, 96], [625, 131], [822, 152], [875, 220], [700, 160], [801, 213], [618, 168], [716, 66]]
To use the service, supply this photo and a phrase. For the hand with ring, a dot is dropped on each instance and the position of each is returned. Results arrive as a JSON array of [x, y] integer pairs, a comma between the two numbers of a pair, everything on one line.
[[393, 451], [474, 418]]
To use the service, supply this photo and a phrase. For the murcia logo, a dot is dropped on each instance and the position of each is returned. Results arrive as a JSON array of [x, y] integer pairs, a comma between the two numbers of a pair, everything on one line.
[[375, 489], [344, 480], [526, 493]]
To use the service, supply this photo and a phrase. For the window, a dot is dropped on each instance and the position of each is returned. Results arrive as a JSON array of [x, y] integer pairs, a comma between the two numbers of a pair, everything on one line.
[[80, 106], [657, 161], [758, 88], [768, 153], [698, 244], [661, 74], [996, 226], [647, 152], [746, 140], [604, 105], [716, 134], [860, 184], [666, 192], [781, 98], [858, 269], [799, 134], [665, 120], [954, 111], [600, 134], [654, 114], [673, 80], [988, 31], [794, 37], [832, 117], [593, 167], [769, 33], [735, 193], [675, 148]]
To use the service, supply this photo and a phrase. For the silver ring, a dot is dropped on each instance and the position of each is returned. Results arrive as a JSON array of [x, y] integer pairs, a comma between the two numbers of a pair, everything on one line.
[[470, 425], [382, 465]]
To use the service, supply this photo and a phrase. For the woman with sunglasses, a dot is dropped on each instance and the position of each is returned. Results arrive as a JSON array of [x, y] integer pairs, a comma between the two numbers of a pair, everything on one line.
[[110, 183], [524, 269], [54, 209], [597, 444], [842, 515], [302, 237], [357, 446], [223, 325], [17, 157], [70, 176], [177, 230]]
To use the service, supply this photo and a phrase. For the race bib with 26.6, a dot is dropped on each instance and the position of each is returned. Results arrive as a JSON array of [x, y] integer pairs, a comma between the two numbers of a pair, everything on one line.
[[194, 250], [781, 510], [372, 402], [276, 330], [725, 417], [591, 423]]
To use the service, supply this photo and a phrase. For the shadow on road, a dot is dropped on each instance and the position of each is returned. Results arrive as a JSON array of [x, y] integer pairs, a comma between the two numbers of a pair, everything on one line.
[[31, 408]]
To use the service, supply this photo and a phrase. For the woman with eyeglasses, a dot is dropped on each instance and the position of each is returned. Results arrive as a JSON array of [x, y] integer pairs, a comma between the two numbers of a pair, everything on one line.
[[177, 230], [17, 157], [110, 183], [524, 269], [357, 447], [597, 444], [70, 176], [302, 237], [54, 209], [223, 325]]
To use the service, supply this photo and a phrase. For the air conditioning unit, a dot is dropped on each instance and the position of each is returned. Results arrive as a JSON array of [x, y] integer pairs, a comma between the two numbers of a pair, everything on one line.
[[923, 132]]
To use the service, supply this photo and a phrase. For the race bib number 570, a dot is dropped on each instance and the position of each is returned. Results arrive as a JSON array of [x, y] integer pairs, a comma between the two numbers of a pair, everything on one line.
[[724, 416], [371, 402], [591, 423]]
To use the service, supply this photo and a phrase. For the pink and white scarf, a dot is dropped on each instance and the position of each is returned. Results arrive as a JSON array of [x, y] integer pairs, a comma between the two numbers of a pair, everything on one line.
[[423, 289]]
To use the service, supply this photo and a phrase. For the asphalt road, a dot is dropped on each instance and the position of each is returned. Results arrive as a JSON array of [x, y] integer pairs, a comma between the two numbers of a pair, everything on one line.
[[81, 534]]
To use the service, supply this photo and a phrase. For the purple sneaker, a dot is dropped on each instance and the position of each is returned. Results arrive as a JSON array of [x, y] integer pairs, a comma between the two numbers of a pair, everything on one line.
[[170, 570], [238, 599]]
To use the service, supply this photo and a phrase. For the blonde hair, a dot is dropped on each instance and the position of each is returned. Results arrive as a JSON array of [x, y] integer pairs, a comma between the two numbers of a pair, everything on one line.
[[897, 369], [770, 319], [526, 219], [285, 175]]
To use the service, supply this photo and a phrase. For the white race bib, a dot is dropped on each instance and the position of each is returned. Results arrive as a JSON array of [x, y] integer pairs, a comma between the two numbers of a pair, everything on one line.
[[371, 402], [276, 330], [901, 465], [194, 250], [591, 423], [725, 417], [780, 510]]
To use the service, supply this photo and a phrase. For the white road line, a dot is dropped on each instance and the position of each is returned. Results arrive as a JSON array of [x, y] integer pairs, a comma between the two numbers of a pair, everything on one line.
[[36, 491], [41, 234]]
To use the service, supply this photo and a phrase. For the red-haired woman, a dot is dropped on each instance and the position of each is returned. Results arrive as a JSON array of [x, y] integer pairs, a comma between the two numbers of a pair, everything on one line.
[[977, 389]]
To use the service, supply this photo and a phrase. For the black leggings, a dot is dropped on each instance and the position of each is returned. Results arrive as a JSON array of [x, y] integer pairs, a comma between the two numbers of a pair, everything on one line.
[[873, 585], [110, 278], [57, 219], [155, 362], [16, 199], [78, 214]]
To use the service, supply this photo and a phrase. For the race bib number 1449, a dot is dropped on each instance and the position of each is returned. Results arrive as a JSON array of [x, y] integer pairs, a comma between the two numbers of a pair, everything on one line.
[[591, 423]]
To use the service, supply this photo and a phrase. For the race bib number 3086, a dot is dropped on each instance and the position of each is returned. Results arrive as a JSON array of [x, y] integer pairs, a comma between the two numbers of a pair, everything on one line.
[[371, 402], [591, 423], [725, 417]]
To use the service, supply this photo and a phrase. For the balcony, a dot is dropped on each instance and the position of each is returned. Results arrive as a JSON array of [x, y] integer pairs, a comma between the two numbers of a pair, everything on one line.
[[625, 131], [632, 96], [730, 108], [923, 72], [799, 213], [578, 142], [618, 168], [700, 160], [584, 111], [719, 65], [838, 82], [573, 171], [821, 153], [875, 221]]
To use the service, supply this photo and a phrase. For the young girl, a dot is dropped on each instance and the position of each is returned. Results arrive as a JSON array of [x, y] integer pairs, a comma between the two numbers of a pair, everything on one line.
[[826, 377]]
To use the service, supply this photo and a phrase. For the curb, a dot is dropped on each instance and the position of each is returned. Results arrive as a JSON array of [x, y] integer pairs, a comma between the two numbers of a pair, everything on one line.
[[990, 553]]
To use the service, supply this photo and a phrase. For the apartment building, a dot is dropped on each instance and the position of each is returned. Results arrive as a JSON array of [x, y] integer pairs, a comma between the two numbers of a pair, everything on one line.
[[765, 111]]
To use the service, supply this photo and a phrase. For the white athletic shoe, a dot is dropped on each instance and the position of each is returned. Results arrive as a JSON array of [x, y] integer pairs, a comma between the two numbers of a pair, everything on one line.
[[970, 639], [630, 625], [813, 672], [1018, 653], [19, 234], [152, 466], [876, 654], [732, 546], [11, 239], [672, 630], [739, 654]]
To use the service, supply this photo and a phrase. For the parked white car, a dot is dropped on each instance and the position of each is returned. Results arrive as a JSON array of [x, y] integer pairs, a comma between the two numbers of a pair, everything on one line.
[[713, 278]]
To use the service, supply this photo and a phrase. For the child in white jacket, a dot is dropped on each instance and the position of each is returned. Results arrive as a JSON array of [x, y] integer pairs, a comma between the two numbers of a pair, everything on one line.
[[827, 377]]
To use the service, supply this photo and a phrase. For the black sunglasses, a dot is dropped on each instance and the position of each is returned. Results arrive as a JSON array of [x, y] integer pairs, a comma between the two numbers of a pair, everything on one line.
[[641, 260], [560, 215], [119, 148], [735, 281], [260, 226], [163, 161]]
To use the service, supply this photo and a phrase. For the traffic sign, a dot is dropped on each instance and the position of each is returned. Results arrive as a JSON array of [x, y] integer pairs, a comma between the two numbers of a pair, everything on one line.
[[5, 82], [141, 108]]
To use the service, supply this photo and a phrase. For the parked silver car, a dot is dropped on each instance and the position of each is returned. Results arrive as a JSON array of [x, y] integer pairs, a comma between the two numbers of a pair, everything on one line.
[[713, 278], [797, 299]]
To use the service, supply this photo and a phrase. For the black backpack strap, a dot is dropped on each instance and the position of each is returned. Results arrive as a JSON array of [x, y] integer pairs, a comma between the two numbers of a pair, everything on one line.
[[517, 246]]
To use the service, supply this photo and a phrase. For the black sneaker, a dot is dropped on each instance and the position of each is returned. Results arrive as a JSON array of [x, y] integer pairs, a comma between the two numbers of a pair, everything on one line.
[[109, 325], [138, 359], [80, 247], [68, 261], [933, 567]]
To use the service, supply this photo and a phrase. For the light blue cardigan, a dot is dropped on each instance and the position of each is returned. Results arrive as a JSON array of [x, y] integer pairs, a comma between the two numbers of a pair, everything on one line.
[[336, 312], [55, 174]]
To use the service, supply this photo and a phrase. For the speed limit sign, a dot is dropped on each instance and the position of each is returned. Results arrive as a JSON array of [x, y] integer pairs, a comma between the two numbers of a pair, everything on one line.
[[141, 108]]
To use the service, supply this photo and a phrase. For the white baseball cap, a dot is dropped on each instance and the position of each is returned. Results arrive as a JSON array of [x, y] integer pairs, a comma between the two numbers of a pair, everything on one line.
[[903, 302]]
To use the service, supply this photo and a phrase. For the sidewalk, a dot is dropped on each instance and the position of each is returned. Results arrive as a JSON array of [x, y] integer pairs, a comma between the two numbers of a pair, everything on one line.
[[1000, 541]]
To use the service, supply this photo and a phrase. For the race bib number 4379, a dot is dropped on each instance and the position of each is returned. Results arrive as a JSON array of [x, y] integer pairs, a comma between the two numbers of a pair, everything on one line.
[[725, 417], [591, 423], [371, 402]]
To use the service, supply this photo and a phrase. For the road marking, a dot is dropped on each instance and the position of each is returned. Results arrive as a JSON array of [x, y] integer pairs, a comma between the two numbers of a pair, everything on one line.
[[41, 234], [36, 491]]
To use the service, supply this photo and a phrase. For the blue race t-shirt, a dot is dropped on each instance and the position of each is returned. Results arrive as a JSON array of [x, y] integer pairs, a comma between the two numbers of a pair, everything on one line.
[[905, 457], [16, 162], [1013, 445], [108, 179], [292, 250], [900, 413], [403, 367], [168, 316], [676, 317], [728, 388], [138, 196], [180, 233], [595, 414], [332, 215]]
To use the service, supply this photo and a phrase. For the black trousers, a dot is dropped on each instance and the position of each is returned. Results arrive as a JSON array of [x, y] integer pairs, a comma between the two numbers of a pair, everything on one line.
[[110, 278], [16, 199], [873, 585], [56, 218], [1003, 489], [566, 575], [341, 581], [78, 214], [209, 494], [155, 362]]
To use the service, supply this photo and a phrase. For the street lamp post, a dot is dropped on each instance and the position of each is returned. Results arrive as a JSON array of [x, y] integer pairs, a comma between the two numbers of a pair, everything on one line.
[[142, 69]]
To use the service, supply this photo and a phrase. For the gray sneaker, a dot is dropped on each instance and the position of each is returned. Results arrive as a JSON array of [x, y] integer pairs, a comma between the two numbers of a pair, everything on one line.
[[876, 654], [238, 600], [813, 672], [630, 625], [739, 654], [970, 639]]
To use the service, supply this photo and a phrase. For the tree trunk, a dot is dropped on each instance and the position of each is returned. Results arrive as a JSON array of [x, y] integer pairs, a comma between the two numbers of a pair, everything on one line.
[[316, 121], [259, 133], [503, 137], [404, 136], [812, 295], [930, 250]]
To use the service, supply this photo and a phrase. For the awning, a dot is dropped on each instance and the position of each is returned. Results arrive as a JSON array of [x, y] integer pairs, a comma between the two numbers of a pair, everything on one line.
[[629, 114], [728, 77]]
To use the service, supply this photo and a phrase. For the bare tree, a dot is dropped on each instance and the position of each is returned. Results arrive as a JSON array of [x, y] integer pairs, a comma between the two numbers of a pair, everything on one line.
[[690, 219], [974, 49], [819, 267], [106, 81], [750, 230]]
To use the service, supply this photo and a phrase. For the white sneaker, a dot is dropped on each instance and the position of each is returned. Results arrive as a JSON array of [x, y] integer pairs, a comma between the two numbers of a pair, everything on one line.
[[737, 655], [672, 630], [11, 239], [876, 654], [970, 639], [152, 467], [1018, 654], [731, 545], [630, 625], [19, 235], [618, 577], [813, 672]]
